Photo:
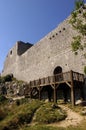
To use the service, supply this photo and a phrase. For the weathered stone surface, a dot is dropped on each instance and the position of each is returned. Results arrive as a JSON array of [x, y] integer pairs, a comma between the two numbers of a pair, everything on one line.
[[42, 58]]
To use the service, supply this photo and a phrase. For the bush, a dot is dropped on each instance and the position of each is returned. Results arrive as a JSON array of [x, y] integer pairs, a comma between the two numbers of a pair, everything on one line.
[[78, 4], [8, 77]]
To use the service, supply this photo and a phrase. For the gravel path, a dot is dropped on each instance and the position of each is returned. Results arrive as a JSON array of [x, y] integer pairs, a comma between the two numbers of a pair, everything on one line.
[[72, 119]]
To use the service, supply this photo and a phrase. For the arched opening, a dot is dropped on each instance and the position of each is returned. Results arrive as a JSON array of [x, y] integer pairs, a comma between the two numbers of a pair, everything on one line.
[[57, 70]]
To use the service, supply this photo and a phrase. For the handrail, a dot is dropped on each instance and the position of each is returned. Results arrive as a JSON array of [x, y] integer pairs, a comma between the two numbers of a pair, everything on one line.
[[58, 78]]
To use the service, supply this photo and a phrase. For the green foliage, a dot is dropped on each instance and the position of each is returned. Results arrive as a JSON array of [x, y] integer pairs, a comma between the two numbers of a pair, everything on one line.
[[42, 127], [73, 19], [78, 4], [80, 26], [6, 78], [48, 114], [76, 43], [74, 15], [77, 23], [85, 69], [82, 29], [84, 15], [20, 115], [2, 80]]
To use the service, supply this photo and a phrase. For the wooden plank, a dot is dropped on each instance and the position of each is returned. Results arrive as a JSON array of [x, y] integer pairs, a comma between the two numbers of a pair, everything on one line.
[[68, 84]]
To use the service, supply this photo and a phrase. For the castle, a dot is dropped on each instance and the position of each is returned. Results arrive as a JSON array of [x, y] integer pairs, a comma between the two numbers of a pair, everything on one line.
[[43, 65], [51, 55]]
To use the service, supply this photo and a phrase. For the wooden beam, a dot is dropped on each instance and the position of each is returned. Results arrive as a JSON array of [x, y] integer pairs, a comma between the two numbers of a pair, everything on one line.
[[72, 89], [39, 90], [54, 96], [53, 86], [68, 84]]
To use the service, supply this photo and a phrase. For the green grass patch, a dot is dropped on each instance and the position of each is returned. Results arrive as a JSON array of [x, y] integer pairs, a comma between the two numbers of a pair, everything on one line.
[[19, 115], [48, 113], [41, 127]]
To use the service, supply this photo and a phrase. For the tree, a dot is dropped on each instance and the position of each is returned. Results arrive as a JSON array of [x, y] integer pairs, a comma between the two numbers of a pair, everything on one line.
[[78, 22], [78, 4]]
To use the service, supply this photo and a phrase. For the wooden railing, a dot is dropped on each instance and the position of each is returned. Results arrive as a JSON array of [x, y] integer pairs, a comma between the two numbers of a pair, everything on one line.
[[78, 77], [59, 78]]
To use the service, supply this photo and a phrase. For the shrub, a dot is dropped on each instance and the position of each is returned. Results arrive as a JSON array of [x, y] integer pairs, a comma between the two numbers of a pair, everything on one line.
[[78, 4], [8, 77]]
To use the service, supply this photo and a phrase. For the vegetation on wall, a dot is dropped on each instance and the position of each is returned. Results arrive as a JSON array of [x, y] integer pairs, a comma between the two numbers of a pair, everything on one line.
[[85, 69], [6, 78], [76, 44], [78, 4], [79, 24]]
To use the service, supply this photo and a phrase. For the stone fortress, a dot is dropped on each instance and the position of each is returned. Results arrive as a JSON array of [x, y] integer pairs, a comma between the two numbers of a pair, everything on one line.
[[51, 55]]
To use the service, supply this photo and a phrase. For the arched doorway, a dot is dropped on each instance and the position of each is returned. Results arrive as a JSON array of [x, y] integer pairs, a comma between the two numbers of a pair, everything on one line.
[[57, 70]]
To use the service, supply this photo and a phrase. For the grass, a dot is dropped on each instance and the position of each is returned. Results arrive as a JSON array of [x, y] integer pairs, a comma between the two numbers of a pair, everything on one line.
[[44, 127], [49, 113], [41, 127], [19, 116]]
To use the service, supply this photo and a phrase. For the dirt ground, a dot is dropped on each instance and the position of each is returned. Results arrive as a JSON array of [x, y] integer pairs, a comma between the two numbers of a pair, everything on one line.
[[73, 118]]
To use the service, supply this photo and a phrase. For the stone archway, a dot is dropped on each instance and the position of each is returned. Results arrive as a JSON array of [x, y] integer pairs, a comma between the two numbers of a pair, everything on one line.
[[57, 70]]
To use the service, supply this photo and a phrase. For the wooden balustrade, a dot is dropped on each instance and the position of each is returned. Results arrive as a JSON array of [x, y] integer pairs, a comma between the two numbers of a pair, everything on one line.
[[62, 77], [78, 77]]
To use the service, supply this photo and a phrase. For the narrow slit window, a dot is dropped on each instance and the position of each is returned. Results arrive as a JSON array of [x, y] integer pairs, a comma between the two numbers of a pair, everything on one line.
[[11, 52]]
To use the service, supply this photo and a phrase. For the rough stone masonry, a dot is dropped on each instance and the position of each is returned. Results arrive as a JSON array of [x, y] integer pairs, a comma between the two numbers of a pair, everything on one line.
[[30, 62]]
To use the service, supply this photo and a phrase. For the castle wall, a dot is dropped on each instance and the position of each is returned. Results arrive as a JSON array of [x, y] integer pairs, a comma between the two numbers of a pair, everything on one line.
[[41, 59], [10, 62]]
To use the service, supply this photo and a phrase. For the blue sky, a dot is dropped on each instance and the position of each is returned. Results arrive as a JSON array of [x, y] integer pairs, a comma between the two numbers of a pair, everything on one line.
[[29, 21]]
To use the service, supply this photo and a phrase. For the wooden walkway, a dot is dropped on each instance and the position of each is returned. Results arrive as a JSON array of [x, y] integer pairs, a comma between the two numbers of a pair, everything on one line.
[[54, 81]]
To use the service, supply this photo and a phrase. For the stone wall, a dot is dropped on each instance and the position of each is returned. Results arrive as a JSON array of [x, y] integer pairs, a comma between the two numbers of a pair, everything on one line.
[[41, 59]]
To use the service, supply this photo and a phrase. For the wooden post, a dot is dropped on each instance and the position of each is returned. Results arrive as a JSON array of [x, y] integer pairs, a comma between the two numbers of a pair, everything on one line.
[[72, 89], [82, 91], [30, 93], [55, 98], [39, 93]]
